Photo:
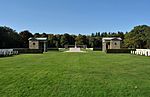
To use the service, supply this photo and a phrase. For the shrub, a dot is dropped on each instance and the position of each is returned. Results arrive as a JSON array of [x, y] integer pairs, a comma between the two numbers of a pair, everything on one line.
[[119, 50], [97, 49], [28, 51], [53, 49]]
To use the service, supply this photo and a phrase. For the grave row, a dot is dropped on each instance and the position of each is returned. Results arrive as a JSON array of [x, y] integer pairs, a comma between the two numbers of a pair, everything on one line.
[[143, 52], [7, 52]]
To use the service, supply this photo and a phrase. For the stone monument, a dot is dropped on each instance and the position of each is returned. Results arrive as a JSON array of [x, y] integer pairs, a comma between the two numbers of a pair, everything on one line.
[[75, 49]]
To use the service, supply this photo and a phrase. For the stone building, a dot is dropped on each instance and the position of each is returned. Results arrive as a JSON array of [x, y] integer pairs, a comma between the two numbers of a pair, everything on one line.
[[38, 43], [111, 43]]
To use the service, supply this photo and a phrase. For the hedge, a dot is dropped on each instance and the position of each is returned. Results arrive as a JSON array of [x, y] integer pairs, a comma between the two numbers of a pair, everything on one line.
[[53, 49], [119, 50], [97, 49], [28, 51]]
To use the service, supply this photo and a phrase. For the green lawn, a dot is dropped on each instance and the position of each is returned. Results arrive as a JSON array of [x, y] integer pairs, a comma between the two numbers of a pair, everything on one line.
[[59, 74]]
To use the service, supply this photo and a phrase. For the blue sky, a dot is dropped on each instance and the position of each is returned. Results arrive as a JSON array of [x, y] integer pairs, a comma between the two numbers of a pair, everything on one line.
[[74, 16]]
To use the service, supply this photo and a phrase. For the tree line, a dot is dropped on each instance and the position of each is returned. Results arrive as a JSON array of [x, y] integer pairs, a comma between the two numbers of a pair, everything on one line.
[[138, 37]]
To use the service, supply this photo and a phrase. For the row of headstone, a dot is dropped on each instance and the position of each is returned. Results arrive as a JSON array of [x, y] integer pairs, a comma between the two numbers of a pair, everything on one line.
[[142, 52], [8, 52]]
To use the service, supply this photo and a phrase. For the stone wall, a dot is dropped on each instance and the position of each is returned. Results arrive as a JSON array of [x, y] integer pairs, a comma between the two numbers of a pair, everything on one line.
[[114, 44], [33, 44]]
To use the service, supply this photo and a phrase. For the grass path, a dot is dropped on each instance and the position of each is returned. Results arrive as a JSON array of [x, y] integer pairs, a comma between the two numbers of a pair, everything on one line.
[[58, 74]]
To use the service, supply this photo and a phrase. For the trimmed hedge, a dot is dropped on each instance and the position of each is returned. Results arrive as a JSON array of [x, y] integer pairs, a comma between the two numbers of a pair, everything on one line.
[[119, 50], [53, 49], [28, 51], [97, 49]]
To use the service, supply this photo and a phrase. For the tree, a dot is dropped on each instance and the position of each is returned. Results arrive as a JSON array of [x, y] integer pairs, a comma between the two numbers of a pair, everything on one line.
[[9, 38], [50, 40], [81, 40], [147, 39], [64, 39], [44, 35], [92, 34], [57, 43], [104, 34], [138, 37], [36, 35], [98, 42], [129, 41], [25, 35], [91, 41]]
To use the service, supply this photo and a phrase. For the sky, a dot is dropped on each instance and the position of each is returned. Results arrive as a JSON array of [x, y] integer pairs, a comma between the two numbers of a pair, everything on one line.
[[74, 16]]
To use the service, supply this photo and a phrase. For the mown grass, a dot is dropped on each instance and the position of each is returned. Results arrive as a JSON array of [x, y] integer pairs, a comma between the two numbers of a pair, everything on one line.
[[59, 74]]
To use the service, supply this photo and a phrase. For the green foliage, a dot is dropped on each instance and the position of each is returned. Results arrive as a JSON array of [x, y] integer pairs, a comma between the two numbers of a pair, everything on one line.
[[28, 51], [53, 40], [9, 38], [119, 50], [25, 35], [97, 49], [92, 41], [92, 74], [36, 35], [65, 39], [81, 39], [138, 37], [53, 49]]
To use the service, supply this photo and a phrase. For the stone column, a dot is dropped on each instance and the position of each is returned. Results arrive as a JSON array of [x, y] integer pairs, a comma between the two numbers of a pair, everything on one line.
[[45, 46], [104, 46]]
